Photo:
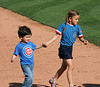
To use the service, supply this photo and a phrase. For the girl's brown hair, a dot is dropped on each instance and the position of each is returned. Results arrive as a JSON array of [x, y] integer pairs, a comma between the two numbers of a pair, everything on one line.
[[71, 13]]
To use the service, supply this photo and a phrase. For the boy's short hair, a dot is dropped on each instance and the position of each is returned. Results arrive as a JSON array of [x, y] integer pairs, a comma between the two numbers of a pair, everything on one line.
[[24, 30]]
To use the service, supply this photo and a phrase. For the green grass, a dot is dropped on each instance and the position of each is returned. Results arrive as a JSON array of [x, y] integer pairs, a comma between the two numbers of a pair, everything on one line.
[[53, 13]]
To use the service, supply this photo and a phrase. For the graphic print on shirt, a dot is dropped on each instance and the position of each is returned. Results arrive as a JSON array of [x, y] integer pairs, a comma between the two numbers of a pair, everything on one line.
[[27, 51], [75, 34]]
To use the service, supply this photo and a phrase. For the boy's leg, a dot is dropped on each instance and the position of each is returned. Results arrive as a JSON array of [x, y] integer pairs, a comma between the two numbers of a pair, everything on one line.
[[70, 70], [28, 75], [32, 70]]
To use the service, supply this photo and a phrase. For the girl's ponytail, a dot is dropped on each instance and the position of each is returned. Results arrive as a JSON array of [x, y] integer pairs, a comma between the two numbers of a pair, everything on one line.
[[65, 23]]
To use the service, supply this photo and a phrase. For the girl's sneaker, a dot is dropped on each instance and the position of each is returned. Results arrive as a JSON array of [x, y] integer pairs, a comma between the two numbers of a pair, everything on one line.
[[53, 84]]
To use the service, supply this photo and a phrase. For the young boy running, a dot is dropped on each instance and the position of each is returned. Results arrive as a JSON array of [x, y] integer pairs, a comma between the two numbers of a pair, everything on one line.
[[25, 50]]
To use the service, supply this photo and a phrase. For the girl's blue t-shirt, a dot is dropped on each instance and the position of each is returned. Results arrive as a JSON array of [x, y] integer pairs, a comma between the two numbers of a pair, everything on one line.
[[25, 52], [70, 33]]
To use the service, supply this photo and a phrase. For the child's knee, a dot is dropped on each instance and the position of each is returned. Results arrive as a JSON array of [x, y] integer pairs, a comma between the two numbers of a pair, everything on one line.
[[28, 77]]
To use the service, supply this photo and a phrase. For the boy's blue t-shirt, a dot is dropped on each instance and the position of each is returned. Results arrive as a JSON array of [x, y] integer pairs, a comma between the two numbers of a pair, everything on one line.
[[25, 52], [69, 36]]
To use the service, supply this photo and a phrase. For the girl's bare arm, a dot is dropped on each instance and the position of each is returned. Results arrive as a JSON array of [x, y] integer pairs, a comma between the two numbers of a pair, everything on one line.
[[39, 46], [83, 40], [51, 40]]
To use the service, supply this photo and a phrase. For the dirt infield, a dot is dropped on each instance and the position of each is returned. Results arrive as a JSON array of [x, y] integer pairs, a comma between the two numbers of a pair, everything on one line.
[[86, 58]]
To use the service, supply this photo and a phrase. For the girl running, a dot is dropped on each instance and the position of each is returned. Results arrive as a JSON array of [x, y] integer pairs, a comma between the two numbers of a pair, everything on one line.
[[69, 30]]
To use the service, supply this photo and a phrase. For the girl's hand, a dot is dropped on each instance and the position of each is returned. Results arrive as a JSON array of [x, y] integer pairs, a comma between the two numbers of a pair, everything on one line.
[[85, 42]]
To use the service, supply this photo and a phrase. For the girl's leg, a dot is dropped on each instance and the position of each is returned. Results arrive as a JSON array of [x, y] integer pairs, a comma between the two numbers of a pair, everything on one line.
[[60, 71], [58, 74], [70, 70]]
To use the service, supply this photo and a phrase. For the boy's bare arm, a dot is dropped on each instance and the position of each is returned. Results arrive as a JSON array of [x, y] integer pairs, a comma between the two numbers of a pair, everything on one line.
[[13, 58], [39, 46]]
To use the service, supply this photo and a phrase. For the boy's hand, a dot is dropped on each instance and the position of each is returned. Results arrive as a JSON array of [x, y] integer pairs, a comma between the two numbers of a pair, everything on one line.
[[13, 58], [12, 61]]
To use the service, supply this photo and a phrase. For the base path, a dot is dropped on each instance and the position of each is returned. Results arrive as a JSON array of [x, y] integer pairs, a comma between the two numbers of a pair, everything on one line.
[[86, 57]]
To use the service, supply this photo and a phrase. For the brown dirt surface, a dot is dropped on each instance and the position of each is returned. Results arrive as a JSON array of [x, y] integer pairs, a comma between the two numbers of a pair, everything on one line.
[[86, 57]]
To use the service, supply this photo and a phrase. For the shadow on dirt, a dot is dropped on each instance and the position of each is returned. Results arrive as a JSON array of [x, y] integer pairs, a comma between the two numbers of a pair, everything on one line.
[[91, 85], [20, 84]]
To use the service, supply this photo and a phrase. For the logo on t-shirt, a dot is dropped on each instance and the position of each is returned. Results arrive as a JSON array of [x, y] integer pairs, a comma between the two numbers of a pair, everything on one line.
[[81, 31], [75, 34], [27, 51]]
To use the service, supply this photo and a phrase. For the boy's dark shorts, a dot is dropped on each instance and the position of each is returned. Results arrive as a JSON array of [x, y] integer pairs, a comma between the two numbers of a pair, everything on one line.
[[65, 52]]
